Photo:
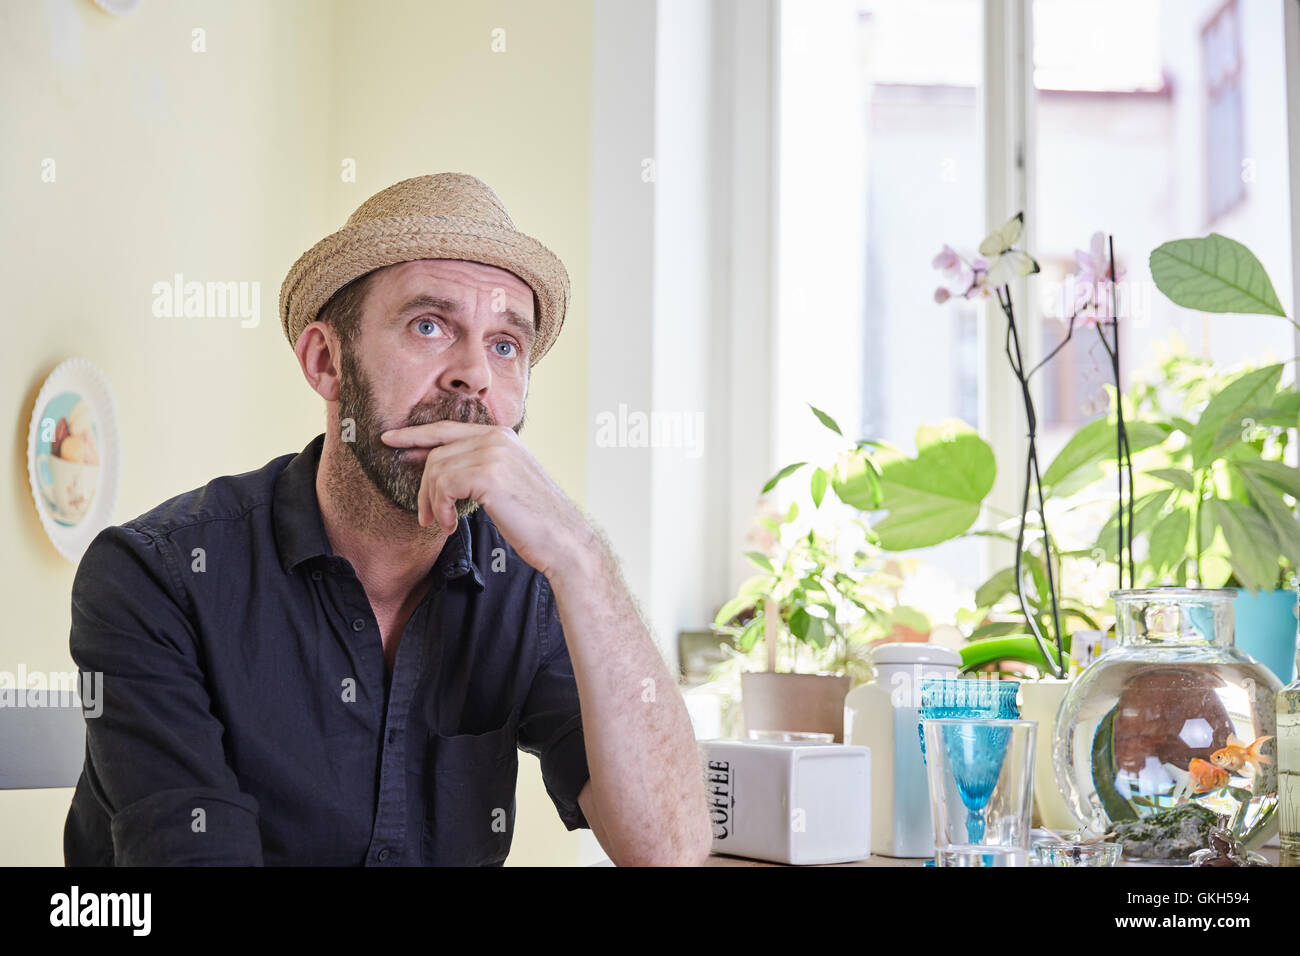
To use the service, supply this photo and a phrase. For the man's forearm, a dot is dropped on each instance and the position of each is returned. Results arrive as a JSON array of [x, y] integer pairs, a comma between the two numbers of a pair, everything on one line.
[[641, 750]]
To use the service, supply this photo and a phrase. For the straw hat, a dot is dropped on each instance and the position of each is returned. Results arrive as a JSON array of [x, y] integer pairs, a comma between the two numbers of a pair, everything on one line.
[[443, 216]]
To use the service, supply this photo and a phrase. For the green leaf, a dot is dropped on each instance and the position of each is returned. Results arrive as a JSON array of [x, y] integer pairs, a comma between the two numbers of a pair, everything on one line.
[[761, 560], [800, 621], [1175, 476], [909, 617], [1078, 463], [1038, 571], [815, 590], [999, 629], [1169, 540], [1287, 403], [816, 635], [1251, 549], [781, 475], [1077, 610], [936, 495], [996, 588], [1274, 472], [826, 420], [1243, 432], [750, 635], [1267, 499], [731, 609], [1247, 391], [1000, 535], [857, 482], [1146, 510], [819, 480], [1024, 649], [792, 512], [1213, 274]]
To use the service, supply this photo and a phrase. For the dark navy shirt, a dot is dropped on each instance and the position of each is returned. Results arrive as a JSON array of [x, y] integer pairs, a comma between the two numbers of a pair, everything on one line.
[[248, 713]]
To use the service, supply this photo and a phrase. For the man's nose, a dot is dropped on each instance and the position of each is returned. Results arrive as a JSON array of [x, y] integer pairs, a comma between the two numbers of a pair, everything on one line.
[[467, 370]]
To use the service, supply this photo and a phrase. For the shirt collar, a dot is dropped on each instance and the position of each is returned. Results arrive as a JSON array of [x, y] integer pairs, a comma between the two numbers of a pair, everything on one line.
[[300, 530]]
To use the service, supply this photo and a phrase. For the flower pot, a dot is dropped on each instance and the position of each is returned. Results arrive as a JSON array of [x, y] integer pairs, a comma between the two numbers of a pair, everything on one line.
[[812, 703], [1041, 702], [1266, 629], [1147, 727]]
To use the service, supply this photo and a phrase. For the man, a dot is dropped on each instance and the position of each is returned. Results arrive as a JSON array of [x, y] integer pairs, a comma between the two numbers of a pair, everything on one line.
[[332, 660]]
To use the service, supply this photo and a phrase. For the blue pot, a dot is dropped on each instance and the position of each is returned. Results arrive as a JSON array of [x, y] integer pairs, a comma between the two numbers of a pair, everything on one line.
[[1266, 629]]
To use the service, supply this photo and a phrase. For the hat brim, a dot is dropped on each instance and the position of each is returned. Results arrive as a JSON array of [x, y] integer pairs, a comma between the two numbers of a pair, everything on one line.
[[358, 249]]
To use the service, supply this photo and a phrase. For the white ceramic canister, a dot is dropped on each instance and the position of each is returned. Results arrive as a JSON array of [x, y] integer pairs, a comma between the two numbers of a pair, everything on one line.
[[883, 714]]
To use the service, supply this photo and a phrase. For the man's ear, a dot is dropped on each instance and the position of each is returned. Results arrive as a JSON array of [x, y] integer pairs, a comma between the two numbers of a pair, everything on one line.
[[319, 351]]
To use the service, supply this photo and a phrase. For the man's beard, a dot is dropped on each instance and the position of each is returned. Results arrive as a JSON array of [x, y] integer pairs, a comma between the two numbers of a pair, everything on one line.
[[394, 472]]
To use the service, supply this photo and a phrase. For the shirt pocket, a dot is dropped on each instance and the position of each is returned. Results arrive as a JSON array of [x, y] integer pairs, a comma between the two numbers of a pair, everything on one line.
[[469, 815]]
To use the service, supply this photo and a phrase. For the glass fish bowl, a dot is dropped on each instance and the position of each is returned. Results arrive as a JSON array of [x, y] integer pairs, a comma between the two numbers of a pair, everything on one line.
[[1174, 721]]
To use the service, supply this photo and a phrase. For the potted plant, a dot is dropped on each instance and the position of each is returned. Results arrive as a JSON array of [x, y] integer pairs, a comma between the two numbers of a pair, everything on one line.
[[1234, 455], [811, 599]]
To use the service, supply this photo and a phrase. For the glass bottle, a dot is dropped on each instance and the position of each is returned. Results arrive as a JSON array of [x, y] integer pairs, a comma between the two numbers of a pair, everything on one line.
[[1288, 770]]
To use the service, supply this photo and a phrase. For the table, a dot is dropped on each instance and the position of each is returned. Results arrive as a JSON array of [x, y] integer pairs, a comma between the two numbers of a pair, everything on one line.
[[1269, 850]]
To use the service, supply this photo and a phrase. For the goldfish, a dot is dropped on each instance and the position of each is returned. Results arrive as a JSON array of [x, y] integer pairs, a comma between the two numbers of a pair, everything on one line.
[[1238, 754], [1205, 776]]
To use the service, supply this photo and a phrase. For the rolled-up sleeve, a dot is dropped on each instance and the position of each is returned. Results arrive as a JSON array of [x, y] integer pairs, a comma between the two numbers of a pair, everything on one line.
[[155, 763], [550, 725]]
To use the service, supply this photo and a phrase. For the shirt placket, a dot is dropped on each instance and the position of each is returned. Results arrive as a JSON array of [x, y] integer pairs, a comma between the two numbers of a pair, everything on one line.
[[388, 842]]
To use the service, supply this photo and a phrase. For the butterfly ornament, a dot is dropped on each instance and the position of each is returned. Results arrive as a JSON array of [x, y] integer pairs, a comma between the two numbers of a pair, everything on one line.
[[1004, 262]]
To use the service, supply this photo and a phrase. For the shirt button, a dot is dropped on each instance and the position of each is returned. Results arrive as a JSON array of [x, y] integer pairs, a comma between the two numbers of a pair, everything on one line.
[[383, 855], [358, 625], [316, 575]]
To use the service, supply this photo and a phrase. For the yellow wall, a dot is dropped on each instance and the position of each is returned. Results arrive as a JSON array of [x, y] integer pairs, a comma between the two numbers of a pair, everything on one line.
[[225, 165]]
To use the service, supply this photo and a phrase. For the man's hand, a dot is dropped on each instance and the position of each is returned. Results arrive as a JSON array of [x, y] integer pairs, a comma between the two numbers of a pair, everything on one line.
[[489, 464]]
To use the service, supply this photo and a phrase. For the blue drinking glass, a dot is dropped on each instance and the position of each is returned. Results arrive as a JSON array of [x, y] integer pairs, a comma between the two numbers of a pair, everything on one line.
[[954, 697]]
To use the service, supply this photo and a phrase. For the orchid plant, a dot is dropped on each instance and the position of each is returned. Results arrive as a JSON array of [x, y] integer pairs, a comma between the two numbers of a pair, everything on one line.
[[990, 275]]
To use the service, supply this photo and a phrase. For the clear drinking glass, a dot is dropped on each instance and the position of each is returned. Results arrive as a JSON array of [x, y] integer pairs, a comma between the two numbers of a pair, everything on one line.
[[981, 774]]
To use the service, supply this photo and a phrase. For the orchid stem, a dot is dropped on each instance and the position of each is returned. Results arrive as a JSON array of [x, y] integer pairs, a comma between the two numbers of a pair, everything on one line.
[[1032, 474]]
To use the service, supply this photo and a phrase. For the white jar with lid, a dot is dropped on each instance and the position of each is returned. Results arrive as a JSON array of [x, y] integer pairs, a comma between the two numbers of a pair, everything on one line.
[[883, 714]]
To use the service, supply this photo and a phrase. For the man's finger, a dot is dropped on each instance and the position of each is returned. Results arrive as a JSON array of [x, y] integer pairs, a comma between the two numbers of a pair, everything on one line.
[[428, 435], [440, 503]]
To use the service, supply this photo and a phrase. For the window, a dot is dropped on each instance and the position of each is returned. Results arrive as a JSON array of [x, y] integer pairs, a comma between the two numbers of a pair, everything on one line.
[[1119, 101], [881, 165], [1221, 56], [1116, 144]]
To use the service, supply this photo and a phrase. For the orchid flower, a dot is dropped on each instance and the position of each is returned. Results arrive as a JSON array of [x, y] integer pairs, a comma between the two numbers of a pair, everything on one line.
[[948, 261], [1092, 273], [996, 266]]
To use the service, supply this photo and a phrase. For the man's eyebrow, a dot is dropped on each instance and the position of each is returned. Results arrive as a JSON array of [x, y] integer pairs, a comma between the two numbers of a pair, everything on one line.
[[426, 301]]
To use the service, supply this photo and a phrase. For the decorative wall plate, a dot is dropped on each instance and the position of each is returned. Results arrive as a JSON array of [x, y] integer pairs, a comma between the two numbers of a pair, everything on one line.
[[73, 456]]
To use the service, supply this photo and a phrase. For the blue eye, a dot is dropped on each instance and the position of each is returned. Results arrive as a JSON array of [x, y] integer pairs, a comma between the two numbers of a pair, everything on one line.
[[432, 327], [508, 345]]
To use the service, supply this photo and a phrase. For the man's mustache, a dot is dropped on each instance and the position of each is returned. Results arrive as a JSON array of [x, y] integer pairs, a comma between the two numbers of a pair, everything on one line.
[[459, 410]]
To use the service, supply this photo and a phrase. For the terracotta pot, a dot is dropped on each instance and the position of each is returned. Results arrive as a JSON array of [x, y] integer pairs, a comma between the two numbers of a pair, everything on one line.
[[808, 703]]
